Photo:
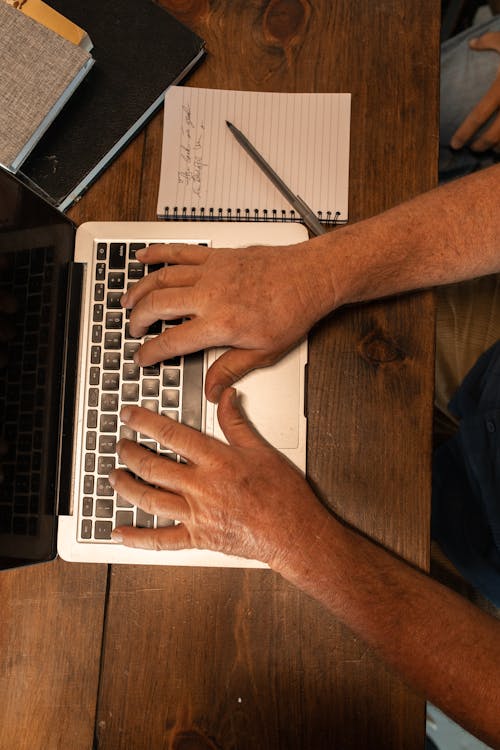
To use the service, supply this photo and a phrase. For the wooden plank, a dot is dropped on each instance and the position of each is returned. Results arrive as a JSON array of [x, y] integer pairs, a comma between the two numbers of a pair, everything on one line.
[[51, 620], [223, 659], [51, 623]]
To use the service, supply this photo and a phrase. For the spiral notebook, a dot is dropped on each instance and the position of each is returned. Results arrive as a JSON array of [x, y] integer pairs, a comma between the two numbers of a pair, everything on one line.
[[206, 175]]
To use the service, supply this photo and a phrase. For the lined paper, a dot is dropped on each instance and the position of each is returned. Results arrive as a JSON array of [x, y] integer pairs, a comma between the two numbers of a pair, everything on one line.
[[304, 137]]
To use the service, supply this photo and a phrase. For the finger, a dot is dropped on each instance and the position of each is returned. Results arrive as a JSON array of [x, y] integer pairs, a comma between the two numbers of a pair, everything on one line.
[[152, 500], [488, 41], [168, 538], [235, 426], [151, 467], [169, 276], [189, 336], [490, 138], [160, 304], [483, 110], [230, 367], [181, 439], [174, 252]]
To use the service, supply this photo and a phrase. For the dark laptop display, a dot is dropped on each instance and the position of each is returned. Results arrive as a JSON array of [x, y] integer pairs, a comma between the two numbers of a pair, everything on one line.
[[36, 248]]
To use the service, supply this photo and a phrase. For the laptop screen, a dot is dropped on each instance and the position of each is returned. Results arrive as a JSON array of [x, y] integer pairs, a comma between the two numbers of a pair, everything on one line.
[[36, 247]]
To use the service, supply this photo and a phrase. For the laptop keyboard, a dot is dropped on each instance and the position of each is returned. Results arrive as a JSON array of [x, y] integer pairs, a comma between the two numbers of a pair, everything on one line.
[[22, 395], [172, 388]]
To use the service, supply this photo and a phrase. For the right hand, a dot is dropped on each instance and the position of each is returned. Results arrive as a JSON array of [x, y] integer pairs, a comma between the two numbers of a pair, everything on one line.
[[260, 301], [484, 109]]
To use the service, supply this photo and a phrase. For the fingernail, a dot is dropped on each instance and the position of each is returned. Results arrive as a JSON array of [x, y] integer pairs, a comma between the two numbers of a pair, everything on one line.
[[117, 536], [111, 477], [234, 398], [140, 253], [215, 394], [124, 300], [456, 142], [125, 413]]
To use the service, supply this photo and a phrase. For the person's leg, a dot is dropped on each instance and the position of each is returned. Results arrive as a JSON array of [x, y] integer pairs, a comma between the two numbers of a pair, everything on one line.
[[466, 76]]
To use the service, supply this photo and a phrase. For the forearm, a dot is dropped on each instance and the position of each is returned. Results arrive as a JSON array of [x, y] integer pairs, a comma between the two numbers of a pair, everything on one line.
[[442, 645], [447, 235]]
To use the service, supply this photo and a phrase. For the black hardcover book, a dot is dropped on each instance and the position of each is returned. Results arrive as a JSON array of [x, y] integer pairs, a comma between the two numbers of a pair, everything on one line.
[[140, 50]]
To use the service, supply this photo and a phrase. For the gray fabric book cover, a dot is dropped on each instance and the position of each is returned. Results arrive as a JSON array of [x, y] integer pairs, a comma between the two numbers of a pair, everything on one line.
[[40, 70]]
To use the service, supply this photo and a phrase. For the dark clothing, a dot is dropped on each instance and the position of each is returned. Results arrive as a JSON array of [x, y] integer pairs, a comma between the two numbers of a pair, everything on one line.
[[466, 480]]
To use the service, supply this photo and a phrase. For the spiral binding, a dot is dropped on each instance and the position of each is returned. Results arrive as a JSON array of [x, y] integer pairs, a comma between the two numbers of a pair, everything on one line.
[[219, 214]]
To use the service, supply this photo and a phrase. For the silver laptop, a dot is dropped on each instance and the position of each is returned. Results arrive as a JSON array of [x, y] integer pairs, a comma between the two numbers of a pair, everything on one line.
[[69, 368]]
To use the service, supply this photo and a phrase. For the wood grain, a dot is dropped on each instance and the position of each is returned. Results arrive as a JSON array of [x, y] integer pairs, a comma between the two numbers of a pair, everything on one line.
[[51, 623], [236, 659], [197, 659]]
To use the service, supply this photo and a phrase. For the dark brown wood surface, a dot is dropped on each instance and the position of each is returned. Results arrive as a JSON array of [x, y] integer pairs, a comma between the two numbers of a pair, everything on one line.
[[191, 659]]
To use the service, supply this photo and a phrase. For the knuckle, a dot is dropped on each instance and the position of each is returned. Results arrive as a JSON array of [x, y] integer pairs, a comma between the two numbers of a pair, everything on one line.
[[155, 300], [161, 276], [165, 432], [145, 467], [145, 500]]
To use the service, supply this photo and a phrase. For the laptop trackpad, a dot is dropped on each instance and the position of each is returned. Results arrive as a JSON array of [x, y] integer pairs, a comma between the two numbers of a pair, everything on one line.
[[270, 398]]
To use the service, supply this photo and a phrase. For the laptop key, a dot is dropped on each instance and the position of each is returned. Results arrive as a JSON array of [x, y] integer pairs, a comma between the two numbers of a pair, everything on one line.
[[124, 518], [116, 280], [134, 247], [130, 349], [105, 465], [114, 319], [144, 520], [109, 402], [131, 371], [89, 462], [110, 381], [113, 340], [91, 441], [150, 387], [86, 529], [117, 255], [108, 423], [104, 508], [107, 444], [130, 392], [111, 360], [103, 529], [113, 300], [135, 271]]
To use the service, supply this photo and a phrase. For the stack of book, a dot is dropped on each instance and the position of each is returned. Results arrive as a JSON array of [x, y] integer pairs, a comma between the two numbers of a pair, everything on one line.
[[43, 57], [139, 51]]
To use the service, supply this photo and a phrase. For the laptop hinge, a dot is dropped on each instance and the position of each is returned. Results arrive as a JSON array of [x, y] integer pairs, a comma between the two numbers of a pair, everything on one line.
[[68, 384]]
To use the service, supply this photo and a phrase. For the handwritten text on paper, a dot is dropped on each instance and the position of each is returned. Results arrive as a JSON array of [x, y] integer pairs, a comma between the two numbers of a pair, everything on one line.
[[191, 152]]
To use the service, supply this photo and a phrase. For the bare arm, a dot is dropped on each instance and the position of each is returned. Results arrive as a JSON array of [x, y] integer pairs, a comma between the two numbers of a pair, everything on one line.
[[438, 642], [230, 296]]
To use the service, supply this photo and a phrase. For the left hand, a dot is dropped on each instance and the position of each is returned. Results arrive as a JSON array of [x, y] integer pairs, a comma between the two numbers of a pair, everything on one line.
[[243, 499], [484, 109]]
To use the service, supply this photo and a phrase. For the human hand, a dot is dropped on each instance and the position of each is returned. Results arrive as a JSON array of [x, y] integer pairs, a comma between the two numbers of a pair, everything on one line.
[[260, 301], [243, 498], [484, 109]]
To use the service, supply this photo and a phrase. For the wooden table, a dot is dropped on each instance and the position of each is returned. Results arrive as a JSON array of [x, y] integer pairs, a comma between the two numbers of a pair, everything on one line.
[[194, 659]]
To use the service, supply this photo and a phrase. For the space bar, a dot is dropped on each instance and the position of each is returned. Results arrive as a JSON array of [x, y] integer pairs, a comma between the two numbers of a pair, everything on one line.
[[192, 390]]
